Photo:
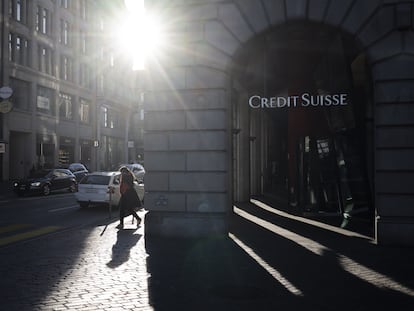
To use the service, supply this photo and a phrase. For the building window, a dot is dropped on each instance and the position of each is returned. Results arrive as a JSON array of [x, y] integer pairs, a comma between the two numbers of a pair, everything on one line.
[[85, 75], [83, 9], [64, 32], [45, 101], [18, 10], [84, 111], [110, 118], [45, 59], [43, 20], [65, 106], [19, 50], [66, 68], [83, 42], [21, 91], [64, 4]]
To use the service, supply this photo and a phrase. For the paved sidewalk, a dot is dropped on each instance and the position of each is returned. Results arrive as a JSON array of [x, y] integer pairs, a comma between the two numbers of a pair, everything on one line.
[[270, 261], [6, 189]]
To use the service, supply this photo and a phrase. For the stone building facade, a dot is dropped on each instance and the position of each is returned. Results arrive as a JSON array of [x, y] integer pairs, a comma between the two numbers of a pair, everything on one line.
[[73, 100], [205, 147]]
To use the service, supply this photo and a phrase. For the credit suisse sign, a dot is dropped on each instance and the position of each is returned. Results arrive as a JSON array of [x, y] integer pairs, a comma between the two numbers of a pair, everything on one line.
[[303, 100]]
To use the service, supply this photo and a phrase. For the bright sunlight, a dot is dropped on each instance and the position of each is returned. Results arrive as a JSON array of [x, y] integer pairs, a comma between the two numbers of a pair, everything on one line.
[[139, 34]]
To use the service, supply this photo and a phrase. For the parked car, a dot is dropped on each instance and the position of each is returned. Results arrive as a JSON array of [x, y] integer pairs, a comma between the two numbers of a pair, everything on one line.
[[46, 181], [137, 169], [79, 170], [103, 188]]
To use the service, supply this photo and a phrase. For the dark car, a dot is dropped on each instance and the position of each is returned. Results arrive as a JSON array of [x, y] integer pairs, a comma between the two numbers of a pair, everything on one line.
[[45, 181], [79, 170]]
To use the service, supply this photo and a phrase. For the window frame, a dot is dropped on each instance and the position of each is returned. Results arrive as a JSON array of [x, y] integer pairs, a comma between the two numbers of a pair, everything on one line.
[[84, 110], [66, 99]]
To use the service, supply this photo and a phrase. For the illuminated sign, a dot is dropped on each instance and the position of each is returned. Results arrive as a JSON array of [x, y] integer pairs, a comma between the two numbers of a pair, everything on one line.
[[304, 100]]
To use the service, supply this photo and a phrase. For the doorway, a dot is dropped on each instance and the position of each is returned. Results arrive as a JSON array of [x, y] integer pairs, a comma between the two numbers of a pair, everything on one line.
[[20, 155], [303, 123]]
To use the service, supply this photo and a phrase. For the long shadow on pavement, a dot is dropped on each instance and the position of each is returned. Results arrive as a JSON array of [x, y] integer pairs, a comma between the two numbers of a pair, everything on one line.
[[126, 239], [269, 262]]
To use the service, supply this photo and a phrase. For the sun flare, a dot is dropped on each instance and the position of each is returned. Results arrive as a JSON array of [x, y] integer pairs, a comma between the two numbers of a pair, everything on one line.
[[138, 35]]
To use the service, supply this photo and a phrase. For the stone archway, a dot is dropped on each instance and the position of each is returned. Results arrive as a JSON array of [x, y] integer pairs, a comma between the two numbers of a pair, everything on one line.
[[290, 65], [188, 131]]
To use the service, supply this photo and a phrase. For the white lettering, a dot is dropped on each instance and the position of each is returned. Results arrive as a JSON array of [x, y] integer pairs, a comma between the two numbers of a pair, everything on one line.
[[304, 100], [295, 98], [265, 102], [281, 102], [343, 99], [251, 104], [335, 99]]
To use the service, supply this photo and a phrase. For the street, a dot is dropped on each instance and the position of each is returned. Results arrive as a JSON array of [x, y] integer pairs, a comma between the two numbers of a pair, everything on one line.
[[270, 260], [24, 218]]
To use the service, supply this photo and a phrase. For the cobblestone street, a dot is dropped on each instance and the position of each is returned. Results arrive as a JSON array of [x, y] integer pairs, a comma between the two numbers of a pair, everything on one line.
[[270, 261]]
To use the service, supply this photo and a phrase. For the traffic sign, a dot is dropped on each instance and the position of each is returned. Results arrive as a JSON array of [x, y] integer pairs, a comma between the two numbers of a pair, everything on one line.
[[5, 106], [6, 92]]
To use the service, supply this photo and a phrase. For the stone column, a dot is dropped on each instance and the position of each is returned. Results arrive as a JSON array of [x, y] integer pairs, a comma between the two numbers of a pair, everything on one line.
[[187, 126], [392, 62], [186, 155]]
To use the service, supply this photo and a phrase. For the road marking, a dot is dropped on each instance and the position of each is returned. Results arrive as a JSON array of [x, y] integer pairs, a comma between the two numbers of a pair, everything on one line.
[[28, 235], [13, 228], [62, 208]]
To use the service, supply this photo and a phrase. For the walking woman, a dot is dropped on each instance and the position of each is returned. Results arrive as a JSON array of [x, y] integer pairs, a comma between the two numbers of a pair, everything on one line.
[[129, 198]]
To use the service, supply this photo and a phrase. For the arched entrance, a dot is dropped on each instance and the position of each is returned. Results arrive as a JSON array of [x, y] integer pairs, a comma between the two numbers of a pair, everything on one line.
[[303, 123], [205, 147]]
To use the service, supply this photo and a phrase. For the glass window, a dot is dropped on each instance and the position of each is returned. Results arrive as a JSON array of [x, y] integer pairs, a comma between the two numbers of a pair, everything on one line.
[[64, 32], [85, 75], [65, 106], [19, 49], [95, 180], [84, 111], [83, 9], [43, 20], [83, 44], [45, 59], [44, 27], [45, 101], [64, 4], [66, 68], [21, 91], [18, 10], [110, 118]]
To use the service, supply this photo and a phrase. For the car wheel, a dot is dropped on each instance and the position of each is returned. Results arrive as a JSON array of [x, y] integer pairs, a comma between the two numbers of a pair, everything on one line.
[[83, 204], [72, 187], [46, 190]]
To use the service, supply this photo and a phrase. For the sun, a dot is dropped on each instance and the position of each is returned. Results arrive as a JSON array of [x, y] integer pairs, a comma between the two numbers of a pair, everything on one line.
[[139, 34]]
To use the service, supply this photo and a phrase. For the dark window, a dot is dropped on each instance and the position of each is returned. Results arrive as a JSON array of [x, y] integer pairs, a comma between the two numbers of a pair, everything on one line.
[[18, 10], [96, 180], [64, 32], [66, 68], [19, 49], [45, 59], [21, 93], [43, 20]]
